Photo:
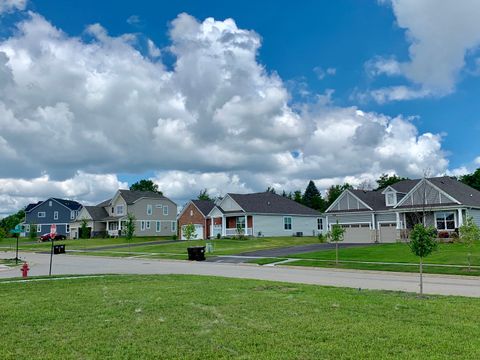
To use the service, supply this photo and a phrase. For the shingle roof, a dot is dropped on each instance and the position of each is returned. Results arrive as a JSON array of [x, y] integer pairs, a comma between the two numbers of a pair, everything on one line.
[[269, 203], [465, 194], [205, 206], [131, 196], [71, 204], [96, 212], [31, 206], [104, 203], [404, 186]]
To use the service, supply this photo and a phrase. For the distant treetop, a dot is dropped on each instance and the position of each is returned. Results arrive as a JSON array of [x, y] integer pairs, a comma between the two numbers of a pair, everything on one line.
[[145, 185]]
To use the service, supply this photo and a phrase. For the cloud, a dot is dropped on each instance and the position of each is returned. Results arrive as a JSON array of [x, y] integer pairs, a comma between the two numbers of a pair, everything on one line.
[[73, 107], [7, 6], [133, 20], [89, 188], [153, 50], [322, 73], [441, 36]]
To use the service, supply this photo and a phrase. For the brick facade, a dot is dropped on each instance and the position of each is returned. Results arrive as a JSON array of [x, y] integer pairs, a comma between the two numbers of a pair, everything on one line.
[[192, 215]]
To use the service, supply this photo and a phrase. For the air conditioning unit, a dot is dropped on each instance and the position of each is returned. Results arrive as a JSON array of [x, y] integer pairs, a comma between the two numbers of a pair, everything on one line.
[[299, 234]]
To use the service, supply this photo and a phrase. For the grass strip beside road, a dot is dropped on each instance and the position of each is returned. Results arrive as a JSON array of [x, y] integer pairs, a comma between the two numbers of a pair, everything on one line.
[[207, 317]]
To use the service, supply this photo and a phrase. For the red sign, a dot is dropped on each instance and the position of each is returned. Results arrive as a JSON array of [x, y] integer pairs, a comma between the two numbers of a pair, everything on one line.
[[53, 230]]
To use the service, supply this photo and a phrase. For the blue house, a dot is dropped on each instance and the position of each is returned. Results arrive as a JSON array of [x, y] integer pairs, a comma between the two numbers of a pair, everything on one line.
[[51, 211]]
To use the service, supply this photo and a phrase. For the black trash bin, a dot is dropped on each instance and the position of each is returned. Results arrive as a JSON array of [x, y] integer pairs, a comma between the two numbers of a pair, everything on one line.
[[59, 249], [196, 253]]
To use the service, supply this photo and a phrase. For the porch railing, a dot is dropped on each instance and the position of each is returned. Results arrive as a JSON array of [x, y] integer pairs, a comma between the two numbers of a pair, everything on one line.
[[234, 231]]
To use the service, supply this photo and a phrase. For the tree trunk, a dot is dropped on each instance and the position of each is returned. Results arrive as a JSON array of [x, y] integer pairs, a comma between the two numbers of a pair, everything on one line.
[[469, 260], [336, 253], [421, 276]]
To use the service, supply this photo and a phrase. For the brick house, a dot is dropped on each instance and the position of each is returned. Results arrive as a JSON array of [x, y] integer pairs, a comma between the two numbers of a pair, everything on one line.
[[195, 212]]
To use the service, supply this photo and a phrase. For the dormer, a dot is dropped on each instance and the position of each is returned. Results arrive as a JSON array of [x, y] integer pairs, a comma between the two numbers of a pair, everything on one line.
[[391, 198]]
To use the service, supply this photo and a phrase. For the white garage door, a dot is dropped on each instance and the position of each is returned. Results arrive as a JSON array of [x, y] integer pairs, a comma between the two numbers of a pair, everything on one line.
[[388, 232], [357, 233], [198, 232]]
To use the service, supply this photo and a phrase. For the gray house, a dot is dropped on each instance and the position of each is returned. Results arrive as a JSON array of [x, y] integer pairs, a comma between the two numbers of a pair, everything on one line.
[[389, 214], [155, 215], [51, 211]]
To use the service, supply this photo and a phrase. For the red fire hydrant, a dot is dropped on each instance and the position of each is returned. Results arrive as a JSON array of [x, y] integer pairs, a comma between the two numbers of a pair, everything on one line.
[[24, 270]]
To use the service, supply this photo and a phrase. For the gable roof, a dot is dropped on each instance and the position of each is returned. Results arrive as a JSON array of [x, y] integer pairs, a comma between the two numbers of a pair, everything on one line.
[[130, 196], [465, 194], [71, 204], [269, 203], [96, 212], [205, 206], [404, 186], [31, 206], [104, 203]]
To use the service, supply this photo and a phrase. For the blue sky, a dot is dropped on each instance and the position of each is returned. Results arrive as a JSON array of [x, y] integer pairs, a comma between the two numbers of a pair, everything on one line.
[[296, 38], [332, 91]]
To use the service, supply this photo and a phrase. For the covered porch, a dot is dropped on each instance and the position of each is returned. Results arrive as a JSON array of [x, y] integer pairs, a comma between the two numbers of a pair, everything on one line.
[[231, 225]]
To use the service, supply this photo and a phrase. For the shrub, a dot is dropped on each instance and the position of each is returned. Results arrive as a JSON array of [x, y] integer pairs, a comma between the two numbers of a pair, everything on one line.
[[219, 236], [443, 235], [174, 237], [322, 238]]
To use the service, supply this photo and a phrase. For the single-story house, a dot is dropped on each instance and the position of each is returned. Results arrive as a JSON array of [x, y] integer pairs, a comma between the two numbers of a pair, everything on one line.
[[389, 214], [155, 215], [256, 214], [196, 212]]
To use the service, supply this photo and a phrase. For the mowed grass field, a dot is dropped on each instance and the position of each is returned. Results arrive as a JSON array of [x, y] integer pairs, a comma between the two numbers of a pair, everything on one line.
[[187, 317], [168, 249], [398, 255]]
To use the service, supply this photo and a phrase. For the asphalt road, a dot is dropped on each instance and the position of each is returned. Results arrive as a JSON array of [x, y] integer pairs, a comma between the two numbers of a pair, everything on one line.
[[88, 265]]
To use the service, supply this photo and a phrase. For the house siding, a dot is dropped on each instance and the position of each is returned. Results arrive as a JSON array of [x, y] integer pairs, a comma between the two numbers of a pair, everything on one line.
[[349, 218], [139, 210], [475, 214], [273, 225], [64, 214], [192, 215], [228, 204], [386, 217]]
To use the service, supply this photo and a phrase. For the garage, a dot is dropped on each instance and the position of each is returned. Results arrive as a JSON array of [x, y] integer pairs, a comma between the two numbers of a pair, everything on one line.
[[387, 232], [198, 232], [357, 233]]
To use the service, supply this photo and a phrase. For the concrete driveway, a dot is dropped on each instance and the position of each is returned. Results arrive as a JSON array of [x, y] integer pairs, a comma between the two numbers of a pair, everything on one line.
[[88, 265]]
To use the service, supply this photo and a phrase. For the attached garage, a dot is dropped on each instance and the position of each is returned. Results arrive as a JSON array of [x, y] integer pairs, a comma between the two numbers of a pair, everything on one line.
[[357, 233], [387, 232], [198, 232]]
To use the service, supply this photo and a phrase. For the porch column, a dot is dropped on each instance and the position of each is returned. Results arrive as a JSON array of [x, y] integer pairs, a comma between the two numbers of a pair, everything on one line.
[[373, 222], [246, 225], [326, 223], [397, 215], [223, 225], [460, 218]]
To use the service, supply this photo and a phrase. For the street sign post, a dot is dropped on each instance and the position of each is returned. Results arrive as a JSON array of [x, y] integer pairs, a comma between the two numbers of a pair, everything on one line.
[[53, 233], [16, 232]]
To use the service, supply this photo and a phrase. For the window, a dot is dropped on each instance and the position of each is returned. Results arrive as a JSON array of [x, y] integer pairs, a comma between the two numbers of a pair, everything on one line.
[[113, 210], [55, 215], [191, 212], [119, 209], [241, 222], [148, 224], [445, 220], [174, 226], [50, 203], [391, 199], [158, 226], [165, 210], [319, 224], [287, 223], [39, 228], [149, 209], [142, 225], [68, 228], [158, 206], [41, 214], [72, 215], [27, 228]]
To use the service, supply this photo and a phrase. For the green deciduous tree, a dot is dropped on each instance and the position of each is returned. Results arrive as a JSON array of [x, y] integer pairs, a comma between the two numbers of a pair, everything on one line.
[[469, 234], [129, 227], [32, 234], [9, 222], [203, 195], [336, 234], [271, 189], [189, 232], [84, 233], [422, 243], [472, 179], [297, 196], [335, 191], [145, 185], [386, 180]]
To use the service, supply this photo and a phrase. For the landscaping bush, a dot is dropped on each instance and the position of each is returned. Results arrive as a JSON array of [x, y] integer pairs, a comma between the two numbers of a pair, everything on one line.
[[219, 236], [174, 237], [322, 238]]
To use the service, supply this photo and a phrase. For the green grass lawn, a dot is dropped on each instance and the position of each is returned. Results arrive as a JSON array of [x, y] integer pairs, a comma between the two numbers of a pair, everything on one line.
[[187, 317], [400, 252], [447, 254]]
